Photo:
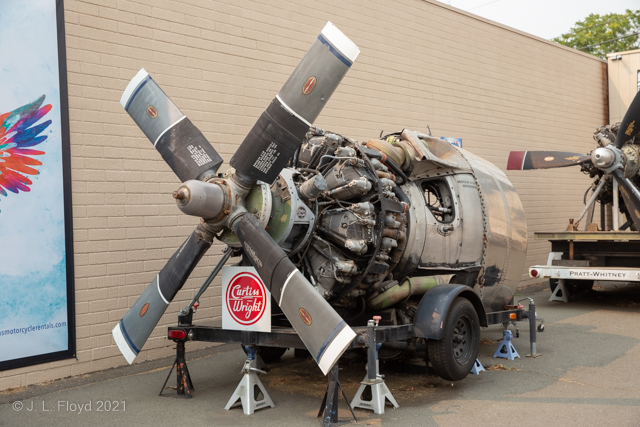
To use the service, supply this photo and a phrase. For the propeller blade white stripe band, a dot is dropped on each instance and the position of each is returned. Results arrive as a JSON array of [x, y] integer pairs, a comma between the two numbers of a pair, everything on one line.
[[286, 107], [159, 291], [165, 131], [336, 348], [131, 87], [286, 282], [122, 344], [340, 41]]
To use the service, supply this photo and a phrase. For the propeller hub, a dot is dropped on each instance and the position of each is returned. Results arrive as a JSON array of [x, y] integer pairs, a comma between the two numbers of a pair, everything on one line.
[[607, 158], [199, 198], [182, 195]]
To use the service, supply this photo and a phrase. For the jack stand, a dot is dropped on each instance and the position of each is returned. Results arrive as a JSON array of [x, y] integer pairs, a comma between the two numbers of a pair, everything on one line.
[[329, 406], [560, 292], [184, 384], [531, 315], [246, 390], [379, 391], [477, 368], [506, 349]]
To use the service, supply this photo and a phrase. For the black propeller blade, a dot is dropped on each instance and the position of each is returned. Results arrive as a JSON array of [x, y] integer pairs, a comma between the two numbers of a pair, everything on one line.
[[630, 124], [325, 334], [281, 128], [136, 326], [630, 194], [180, 143], [629, 128], [526, 160], [262, 155]]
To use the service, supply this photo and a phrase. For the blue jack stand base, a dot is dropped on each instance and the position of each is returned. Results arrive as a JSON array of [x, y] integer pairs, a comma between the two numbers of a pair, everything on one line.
[[477, 368], [506, 349]]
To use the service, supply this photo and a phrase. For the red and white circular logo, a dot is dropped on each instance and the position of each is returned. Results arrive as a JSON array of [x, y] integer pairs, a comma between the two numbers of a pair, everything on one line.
[[309, 85], [246, 298], [152, 112]]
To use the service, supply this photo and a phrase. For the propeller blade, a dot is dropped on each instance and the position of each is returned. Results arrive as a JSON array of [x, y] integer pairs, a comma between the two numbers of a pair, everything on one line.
[[325, 334], [181, 144], [281, 128], [630, 194], [137, 324], [630, 124], [525, 160]]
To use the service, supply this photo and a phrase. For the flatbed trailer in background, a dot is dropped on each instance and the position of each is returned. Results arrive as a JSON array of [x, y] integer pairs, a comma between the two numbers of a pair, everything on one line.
[[579, 258]]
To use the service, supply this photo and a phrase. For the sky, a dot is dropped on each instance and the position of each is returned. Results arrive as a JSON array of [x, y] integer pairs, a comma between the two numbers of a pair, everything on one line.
[[543, 18]]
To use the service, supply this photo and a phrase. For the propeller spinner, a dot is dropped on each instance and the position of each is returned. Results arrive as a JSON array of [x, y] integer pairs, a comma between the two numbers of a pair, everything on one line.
[[262, 155]]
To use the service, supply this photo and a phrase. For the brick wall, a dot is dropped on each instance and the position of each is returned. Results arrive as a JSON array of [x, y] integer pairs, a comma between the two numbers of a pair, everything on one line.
[[422, 63], [623, 82]]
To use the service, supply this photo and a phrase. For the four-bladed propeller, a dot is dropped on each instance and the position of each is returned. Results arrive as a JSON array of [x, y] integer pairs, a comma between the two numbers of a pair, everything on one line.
[[609, 159], [262, 155]]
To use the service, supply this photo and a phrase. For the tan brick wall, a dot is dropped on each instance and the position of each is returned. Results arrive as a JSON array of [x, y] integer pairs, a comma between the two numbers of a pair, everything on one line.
[[623, 82], [422, 63]]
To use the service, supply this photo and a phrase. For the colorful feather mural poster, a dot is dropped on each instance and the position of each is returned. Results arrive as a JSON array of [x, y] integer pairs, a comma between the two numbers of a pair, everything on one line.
[[36, 244]]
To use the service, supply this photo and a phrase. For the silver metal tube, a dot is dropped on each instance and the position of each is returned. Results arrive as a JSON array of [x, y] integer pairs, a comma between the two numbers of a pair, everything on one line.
[[225, 257], [593, 198], [614, 214]]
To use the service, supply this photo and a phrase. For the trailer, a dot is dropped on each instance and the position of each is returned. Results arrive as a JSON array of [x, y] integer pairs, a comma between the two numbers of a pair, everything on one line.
[[579, 258], [259, 345]]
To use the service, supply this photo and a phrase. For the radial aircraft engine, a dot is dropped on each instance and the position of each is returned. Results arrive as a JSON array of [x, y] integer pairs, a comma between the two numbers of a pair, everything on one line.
[[339, 228]]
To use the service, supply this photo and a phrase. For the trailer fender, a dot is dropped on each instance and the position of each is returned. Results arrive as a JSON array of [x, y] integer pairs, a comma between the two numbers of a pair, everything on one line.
[[435, 305]]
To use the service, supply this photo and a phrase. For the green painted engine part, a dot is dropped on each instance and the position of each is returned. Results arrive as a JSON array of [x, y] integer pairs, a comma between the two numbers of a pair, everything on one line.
[[411, 286]]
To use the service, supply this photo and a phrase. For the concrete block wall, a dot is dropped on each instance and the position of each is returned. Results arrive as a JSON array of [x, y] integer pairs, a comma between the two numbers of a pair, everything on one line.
[[624, 75], [422, 63]]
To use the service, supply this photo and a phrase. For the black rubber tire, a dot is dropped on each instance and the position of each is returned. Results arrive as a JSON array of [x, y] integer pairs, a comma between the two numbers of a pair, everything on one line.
[[453, 356], [271, 354]]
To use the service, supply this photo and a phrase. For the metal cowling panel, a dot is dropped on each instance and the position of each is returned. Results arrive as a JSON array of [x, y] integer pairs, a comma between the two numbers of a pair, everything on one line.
[[506, 228]]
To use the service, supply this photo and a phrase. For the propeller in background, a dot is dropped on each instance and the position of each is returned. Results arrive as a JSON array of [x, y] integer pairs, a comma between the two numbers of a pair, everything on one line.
[[629, 128], [527, 160], [263, 154], [607, 158]]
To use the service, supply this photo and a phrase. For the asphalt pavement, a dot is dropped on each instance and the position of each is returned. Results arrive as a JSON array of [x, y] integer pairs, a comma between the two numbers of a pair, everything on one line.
[[588, 374]]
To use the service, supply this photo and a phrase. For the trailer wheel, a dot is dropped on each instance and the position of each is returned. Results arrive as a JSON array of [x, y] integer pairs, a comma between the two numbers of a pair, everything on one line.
[[453, 356]]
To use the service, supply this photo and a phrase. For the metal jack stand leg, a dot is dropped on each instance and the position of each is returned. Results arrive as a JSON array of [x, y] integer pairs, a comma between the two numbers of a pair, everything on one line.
[[379, 391], [531, 315], [506, 349], [184, 384], [560, 292], [477, 368], [329, 406], [246, 390]]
